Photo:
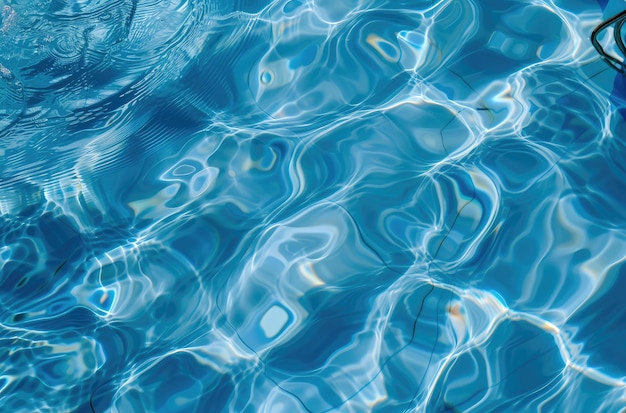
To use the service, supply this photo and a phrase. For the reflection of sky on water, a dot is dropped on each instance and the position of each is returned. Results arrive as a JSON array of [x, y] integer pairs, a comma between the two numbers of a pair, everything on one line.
[[310, 206]]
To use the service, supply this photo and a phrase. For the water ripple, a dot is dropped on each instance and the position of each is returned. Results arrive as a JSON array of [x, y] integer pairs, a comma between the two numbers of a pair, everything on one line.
[[309, 206]]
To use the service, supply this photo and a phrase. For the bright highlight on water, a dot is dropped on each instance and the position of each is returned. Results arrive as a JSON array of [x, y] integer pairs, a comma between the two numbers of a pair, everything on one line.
[[312, 206]]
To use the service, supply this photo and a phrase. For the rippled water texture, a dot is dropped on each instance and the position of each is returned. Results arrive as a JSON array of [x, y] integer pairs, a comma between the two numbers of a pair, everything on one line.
[[310, 206]]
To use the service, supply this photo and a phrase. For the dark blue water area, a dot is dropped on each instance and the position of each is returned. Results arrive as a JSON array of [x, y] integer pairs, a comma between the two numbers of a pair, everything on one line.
[[311, 206]]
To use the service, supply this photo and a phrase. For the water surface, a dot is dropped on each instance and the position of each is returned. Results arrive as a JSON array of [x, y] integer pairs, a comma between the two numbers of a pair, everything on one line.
[[310, 206]]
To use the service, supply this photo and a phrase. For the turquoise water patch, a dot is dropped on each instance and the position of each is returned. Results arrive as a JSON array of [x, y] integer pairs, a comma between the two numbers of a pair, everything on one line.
[[311, 206]]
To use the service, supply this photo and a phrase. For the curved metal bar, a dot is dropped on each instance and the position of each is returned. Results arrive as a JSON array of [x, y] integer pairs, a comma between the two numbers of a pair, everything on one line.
[[620, 20], [617, 35]]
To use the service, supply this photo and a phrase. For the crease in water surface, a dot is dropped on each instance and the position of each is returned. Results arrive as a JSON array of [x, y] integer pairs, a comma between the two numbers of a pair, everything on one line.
[[310, 206]]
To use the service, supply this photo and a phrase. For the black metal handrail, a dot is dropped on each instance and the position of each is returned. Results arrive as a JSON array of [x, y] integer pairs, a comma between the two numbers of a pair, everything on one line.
[[619, 20]]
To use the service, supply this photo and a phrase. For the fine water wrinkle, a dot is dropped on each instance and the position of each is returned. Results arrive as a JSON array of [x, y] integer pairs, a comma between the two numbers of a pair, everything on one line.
[[309, 206]]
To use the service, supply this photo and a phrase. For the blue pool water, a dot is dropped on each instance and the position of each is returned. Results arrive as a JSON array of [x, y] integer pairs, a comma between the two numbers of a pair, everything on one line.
[[311, 206]]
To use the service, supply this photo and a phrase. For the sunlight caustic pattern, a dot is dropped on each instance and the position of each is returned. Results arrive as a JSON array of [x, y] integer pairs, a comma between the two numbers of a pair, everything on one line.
[[309, 206]]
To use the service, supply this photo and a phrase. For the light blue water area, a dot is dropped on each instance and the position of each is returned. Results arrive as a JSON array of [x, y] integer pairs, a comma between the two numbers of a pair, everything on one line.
[[311, 206]]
